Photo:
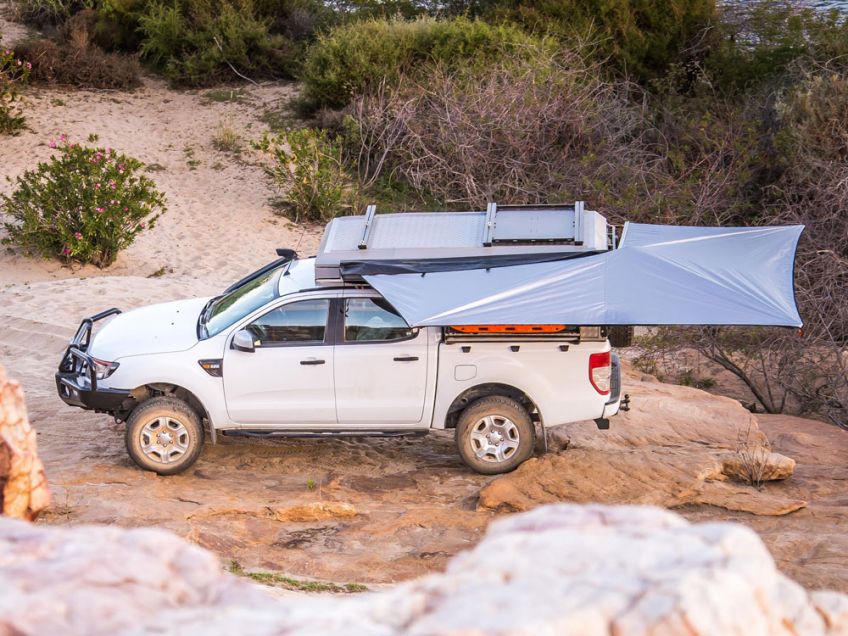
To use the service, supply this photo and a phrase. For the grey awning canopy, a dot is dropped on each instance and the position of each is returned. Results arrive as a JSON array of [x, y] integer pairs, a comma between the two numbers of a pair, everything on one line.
[[660, 275]]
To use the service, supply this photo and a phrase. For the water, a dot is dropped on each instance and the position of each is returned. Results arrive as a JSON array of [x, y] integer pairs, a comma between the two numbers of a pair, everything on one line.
[[824, 5], [841, 5]]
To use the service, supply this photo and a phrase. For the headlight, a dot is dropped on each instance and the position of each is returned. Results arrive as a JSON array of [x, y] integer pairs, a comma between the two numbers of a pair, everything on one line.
[[103, 369]]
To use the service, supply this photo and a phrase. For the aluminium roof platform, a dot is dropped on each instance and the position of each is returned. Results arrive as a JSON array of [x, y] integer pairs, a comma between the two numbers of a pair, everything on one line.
[[405, 242]]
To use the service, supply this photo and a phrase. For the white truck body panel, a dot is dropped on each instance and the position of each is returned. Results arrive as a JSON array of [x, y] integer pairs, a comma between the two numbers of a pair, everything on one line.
[[150, 330], [270, 386], [556, 381], [358, 386], [373, 388]]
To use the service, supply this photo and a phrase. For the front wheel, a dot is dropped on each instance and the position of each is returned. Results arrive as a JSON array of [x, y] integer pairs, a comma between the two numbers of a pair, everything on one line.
[[164, 435], [494, 435]]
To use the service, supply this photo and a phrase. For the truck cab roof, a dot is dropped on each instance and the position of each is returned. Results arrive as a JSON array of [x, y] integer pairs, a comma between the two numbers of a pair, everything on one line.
[[298, 276]]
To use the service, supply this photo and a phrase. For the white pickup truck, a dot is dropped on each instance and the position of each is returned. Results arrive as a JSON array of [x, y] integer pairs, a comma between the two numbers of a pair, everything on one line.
[[281, 355], [409, 322]]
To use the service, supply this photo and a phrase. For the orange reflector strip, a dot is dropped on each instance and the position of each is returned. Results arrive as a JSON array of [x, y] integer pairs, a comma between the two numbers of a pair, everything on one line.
[[509, 328]]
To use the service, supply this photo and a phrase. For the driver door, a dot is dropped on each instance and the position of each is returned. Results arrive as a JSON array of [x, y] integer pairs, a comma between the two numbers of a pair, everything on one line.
[[288, 379]]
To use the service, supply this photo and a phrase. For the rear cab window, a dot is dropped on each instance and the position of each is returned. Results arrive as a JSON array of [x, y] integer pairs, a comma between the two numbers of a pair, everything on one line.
[[374, 320]]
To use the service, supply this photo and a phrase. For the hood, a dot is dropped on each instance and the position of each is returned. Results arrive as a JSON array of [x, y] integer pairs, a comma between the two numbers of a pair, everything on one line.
[[161, 328]]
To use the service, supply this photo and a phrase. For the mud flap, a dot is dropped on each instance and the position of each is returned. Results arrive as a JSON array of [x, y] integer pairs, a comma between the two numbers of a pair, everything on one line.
[[541, 439]]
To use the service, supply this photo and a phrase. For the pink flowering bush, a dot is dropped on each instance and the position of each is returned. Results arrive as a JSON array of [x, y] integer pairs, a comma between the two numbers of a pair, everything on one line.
[[84, 205], [14, 73]]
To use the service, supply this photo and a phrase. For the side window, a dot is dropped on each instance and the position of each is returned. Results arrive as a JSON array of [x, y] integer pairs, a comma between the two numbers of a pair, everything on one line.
[[304, 321], [373, 320]]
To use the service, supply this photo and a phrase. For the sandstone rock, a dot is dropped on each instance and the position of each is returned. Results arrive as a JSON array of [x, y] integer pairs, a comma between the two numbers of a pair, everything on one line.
[[562, 569], [758, 463], [638, 477], [316, 511], [676, 446], [23, 486], [313, 511], [834, 609]]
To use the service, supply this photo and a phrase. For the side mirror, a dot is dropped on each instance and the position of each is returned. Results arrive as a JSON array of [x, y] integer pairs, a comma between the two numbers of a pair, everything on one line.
[[243, 341]]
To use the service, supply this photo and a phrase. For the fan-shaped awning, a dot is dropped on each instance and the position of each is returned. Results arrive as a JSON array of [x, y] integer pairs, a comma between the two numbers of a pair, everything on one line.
[[660, 275]]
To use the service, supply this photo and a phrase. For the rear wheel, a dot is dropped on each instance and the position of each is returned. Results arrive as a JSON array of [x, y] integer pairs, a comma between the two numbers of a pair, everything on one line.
[[495, 435], [164, 435]]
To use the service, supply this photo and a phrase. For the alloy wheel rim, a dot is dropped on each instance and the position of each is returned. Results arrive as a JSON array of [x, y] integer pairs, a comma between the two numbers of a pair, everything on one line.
[[494, 439], [164, 440]]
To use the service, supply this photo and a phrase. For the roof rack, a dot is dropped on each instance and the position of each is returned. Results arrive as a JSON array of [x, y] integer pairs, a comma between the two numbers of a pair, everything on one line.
[[429, 241]]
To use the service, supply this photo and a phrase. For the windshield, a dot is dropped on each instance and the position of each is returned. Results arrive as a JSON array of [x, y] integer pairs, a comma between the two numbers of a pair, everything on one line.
[[223, 311]]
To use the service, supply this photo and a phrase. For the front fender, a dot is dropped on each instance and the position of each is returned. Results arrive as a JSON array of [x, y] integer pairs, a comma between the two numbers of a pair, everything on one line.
[[180, 369]]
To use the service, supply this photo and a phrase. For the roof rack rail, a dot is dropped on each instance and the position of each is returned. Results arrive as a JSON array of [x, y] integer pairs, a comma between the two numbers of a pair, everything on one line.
[[370, 211]]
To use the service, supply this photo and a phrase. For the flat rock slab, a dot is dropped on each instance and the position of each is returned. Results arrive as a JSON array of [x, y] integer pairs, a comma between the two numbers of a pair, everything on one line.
[[810, 545], [653, 476], [677, 446]]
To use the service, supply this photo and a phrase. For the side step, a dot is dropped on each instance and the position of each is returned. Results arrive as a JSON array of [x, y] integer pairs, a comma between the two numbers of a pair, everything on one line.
[[318, 434]]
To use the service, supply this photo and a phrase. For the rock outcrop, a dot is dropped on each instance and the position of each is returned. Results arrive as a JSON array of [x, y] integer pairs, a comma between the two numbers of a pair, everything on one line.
[[23, 486], [757, 464], [563, 569], [676, 446]]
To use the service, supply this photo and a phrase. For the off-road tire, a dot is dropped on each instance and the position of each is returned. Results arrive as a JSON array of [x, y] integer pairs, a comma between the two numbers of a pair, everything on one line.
[[173, 418], [501, 409], [620, 336]]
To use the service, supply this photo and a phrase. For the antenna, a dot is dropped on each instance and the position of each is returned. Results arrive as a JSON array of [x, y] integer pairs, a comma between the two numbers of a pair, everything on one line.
[[297, 246]]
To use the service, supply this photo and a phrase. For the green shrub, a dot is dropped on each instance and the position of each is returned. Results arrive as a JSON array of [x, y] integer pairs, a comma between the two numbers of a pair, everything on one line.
[[814, 116], [43, 13], [14, 73], [637, 37], [688, 377], [117, 24], [119, 21], [201, 42], [73, 58], [85, 205], [298, 20], [525, 131], [309, 171], [348, 59], [760, 41]]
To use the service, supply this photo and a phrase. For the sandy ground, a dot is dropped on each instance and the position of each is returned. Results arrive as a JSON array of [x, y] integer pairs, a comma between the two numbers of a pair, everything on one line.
[[10, 32], [218, 225], [415, 502]]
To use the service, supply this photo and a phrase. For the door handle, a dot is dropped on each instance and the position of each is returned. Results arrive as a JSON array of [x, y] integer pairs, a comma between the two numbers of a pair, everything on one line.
[[312, 361], [406, 358]]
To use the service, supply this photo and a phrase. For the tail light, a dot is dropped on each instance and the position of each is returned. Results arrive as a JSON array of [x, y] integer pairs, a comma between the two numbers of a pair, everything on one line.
[[600, 372]]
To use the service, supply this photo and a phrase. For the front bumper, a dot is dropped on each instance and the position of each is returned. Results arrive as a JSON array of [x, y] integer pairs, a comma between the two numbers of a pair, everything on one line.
[[76, 379], [74, 392]]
